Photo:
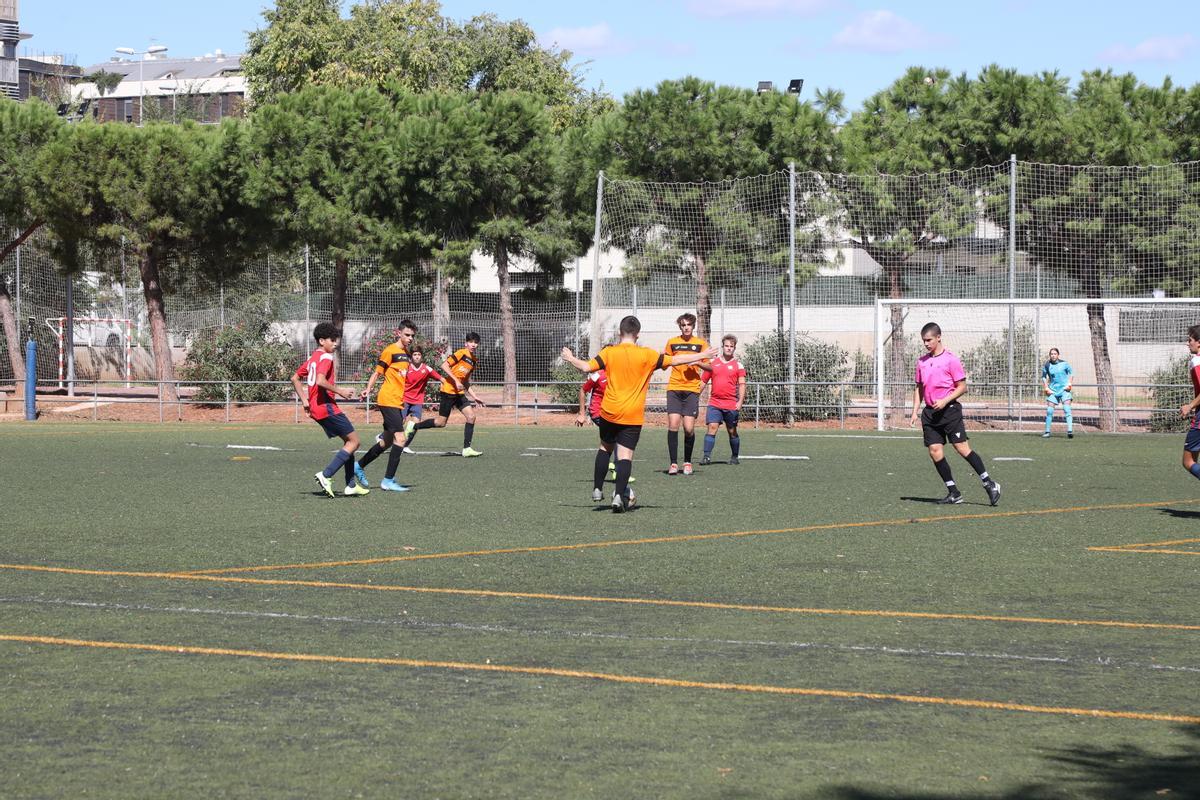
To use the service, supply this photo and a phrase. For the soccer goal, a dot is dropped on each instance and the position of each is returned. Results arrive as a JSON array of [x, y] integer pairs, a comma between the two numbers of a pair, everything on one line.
[[1128, 357], [111, 332]]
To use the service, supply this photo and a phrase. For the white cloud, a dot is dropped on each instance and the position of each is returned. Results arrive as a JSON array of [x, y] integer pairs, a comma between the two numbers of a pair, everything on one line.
[[757, 8], [884, 32], [1156, 48], [594, 40]]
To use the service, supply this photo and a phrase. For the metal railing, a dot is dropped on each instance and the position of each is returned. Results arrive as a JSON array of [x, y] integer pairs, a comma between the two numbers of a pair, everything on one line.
[[830, 403]]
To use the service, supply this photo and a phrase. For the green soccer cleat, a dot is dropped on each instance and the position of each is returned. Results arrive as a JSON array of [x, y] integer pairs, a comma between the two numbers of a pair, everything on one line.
[[470, 452], [355, 491], [410, 425], [325, 484]]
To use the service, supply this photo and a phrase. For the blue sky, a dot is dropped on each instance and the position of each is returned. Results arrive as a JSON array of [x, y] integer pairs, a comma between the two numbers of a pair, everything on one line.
[[859, 47]]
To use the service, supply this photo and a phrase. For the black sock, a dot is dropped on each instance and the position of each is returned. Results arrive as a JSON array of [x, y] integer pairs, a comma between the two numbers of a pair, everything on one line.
[[426, 423], [943, 470], [689, 444], [375, 452], [624, 467], [349, 470], [977, 464], [601, 469], [673, 446], [393, 461], [468, 432]]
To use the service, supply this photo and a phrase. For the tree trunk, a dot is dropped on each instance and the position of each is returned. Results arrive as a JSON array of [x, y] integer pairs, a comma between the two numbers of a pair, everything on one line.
[[898, 391], [508, 328], [1104, 376], [12, 326], [703, 298], [12, 336], [441, 308], [341, 272], [164, 369]]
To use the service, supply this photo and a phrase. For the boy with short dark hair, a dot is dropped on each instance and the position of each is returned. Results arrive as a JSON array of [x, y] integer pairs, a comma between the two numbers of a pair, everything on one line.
[[456, 389], [940, 382], [314, 385], [393, 367], [683, 394]]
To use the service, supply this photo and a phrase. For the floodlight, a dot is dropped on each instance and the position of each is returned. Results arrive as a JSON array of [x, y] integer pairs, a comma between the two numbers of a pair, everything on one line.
[[795, 86], [765, 86]]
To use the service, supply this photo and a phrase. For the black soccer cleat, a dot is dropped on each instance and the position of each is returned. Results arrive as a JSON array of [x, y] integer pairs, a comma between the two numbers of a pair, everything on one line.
[[704, 462], [1070, 435], [993, 492], [952, 499], [733, 461]]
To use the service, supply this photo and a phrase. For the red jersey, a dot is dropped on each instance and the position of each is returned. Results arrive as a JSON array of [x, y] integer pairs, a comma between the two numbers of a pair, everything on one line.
[[320, 402], [1194, 372], [414, 382], [596, 383], [724, 377]]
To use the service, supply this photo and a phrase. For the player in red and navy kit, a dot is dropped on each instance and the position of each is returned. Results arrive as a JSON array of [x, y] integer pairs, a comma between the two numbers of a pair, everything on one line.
[[418, 377], [595, 384], [314, 385], [727, 378], [1191, 446], [941, 380]]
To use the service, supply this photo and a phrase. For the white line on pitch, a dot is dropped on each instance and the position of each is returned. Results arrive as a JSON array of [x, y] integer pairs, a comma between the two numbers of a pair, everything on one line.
[[839, 436], [242, 447], [413, 623], [564, 449], [1011, 458], [769, 457]]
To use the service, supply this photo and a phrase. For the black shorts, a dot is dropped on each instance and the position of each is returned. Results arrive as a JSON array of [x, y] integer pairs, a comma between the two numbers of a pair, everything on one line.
[[393, 418], [939, 427], [686, 404], [451, 401], [596, 420], [622, 435]]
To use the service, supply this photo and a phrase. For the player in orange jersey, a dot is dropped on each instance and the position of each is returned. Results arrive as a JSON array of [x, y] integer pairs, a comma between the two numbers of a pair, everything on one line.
[[623, 409], [456, 389], [683, 394]]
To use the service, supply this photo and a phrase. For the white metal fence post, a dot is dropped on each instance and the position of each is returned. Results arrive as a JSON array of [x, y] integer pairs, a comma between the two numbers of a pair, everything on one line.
[[1012, 277], [791, 292]]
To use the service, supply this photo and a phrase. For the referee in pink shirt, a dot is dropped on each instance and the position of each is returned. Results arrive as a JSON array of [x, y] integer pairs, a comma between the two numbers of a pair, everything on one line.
[[940, 382]]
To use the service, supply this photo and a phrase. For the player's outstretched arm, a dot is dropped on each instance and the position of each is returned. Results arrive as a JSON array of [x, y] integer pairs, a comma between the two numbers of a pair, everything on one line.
[[578, 364], [691, 358]]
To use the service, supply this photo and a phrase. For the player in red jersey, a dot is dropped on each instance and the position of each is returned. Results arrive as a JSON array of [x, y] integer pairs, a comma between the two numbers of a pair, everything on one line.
[[726, 378], [595, 384], [314, 385], [418, 377]]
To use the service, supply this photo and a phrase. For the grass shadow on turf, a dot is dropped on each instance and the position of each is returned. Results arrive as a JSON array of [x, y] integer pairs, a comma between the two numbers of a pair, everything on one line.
[[935, 500], [1126, 772]]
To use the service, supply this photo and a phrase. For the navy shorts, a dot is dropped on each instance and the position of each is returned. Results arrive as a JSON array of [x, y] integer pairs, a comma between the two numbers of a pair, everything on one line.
[[414, 409], [1192, 443], [721, 416], [336, 425]]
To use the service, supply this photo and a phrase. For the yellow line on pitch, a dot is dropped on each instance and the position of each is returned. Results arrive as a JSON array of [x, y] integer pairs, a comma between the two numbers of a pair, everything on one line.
[[1131, 549], [642, 680], [640, 601], [684, 538]]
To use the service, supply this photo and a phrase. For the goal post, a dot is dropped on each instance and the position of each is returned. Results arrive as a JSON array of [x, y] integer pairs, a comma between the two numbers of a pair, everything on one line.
[[1127, 356], [125, 340]]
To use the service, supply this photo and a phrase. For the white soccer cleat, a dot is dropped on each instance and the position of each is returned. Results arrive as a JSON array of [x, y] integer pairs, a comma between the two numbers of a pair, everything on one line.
[[355, 491]]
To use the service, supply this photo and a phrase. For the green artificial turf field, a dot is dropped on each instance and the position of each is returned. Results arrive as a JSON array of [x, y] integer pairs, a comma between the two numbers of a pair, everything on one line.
[[180, 618]]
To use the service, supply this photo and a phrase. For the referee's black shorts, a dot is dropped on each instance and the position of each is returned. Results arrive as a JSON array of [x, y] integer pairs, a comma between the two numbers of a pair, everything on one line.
[[939, 427], [618, 434]]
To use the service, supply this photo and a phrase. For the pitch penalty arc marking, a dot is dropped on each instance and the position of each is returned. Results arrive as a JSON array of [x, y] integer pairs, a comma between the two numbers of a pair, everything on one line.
[[696, 537], [642, 680], [639, 601]]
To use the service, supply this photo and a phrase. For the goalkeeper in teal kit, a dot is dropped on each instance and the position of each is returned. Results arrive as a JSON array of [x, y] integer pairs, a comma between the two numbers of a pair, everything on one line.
[[1056, 381]]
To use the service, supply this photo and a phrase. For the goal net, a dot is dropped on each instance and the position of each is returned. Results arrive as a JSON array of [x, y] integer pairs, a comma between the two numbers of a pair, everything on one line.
[[1128, 358]]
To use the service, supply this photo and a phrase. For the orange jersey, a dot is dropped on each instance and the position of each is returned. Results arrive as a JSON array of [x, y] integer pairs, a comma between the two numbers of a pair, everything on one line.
[[629, 367], [393, 366], [462, 364], [685, 378]]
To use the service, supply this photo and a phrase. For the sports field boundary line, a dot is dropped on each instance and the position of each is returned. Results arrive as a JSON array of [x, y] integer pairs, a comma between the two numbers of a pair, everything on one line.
[[1156, 548], [642, 680], [694, 537], [569, 598]]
